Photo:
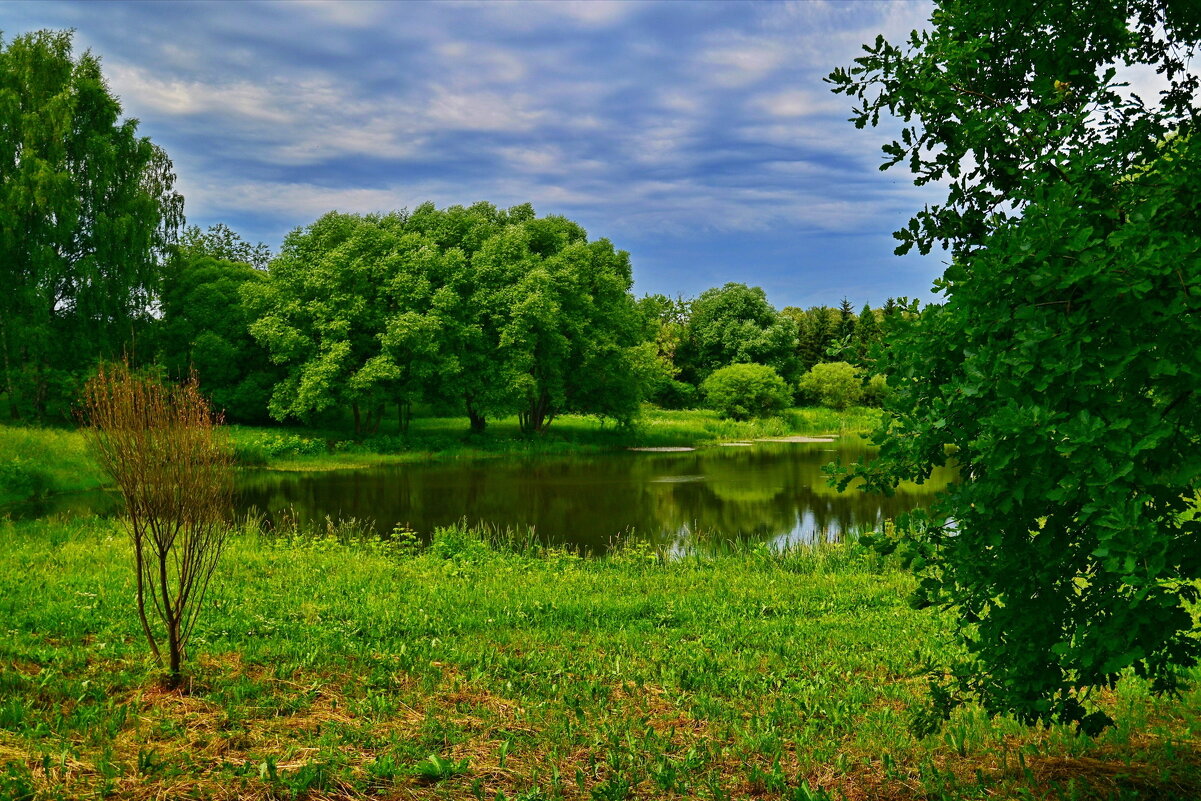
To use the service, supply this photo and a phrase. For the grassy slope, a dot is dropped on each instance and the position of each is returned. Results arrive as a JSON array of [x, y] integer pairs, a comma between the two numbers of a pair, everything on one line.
[[35, 461], [333, 671]]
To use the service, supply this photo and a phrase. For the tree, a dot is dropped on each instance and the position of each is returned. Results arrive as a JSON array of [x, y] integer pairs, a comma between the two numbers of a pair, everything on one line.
[[743, 391], [846, 321], [1061, 366], [833, 384], [499, 310], [665, 321], [571, 333], [321, 314], [87, 209], [818, 337], [205, 328], [173, 466], [735, 324], [867, 334], [223, 243]]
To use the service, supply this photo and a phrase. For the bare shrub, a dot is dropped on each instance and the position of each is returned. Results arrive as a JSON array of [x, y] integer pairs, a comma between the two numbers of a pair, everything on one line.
[[171, 460]]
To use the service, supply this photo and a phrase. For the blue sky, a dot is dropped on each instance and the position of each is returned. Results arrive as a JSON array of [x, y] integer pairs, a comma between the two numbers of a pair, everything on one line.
[[698, 136]]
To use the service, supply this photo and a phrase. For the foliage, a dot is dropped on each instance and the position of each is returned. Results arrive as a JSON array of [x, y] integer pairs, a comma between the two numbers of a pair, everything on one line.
[[222, 243], [498, 310], [205, 327], [735, 324], [321, 315], [834, 384], [86, 210], [868, 334], [743, 391], [876, 391], [164, 451], [817, 336], [1061, 367]]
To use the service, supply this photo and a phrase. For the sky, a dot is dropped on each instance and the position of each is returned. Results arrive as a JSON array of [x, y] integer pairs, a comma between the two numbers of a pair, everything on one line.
[[698, 136]]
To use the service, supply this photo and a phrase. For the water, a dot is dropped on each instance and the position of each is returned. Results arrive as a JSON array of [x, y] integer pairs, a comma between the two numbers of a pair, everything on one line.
[[771, 492]]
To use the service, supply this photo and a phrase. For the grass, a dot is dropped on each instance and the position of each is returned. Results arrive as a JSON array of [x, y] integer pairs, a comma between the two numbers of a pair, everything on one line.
[[39, 461], [332, 666], [448, 438]]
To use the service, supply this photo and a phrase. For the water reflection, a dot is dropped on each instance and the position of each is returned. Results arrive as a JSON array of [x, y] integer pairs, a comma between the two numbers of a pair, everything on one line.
[[772, 492]]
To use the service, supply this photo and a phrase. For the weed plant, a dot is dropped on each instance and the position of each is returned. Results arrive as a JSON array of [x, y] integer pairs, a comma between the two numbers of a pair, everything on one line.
[[335, 664]]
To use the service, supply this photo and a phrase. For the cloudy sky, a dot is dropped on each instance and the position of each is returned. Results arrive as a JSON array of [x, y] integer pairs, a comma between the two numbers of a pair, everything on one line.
[[698, 136]]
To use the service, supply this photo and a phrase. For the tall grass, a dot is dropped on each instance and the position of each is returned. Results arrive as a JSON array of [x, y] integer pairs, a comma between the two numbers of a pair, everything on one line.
[[334, 664]]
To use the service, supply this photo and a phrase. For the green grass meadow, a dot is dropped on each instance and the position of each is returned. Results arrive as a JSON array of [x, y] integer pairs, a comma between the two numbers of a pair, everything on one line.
[[37, 461], [328, 666]]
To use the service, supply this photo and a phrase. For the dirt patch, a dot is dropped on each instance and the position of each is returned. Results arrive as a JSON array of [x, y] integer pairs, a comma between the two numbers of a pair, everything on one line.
[[795, 439]]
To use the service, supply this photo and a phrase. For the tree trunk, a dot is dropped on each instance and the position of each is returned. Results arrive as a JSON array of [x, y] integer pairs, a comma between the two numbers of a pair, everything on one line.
[[8, 375], [404, 414], [379, 418], [354, 407], [175, 670], [478, 421], [537, 415]]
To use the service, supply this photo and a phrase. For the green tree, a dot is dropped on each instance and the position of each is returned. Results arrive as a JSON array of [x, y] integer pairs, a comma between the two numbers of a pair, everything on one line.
[[221, 242], [833, 384], [571, 335], [844, 331], [206, 327], [868, 333], [321, 315], [665, 320], [87, 209], [1061, 366], [499, 310], [735, 324], [743, 391], [818, 337]]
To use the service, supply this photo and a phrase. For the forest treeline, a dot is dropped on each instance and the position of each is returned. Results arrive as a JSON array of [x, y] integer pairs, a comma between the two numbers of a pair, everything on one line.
[[478, 310], [474, 311]]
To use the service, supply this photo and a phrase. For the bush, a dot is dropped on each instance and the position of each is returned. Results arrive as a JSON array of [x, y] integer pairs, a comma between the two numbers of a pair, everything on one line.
[[834, 385], [875, 391], [743, 391], [673, 394]]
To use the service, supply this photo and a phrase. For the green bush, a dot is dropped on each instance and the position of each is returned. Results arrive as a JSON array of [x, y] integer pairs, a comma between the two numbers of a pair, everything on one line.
[[672, 394], [875, 391], [743, 391], [835, 385], [253, 447]]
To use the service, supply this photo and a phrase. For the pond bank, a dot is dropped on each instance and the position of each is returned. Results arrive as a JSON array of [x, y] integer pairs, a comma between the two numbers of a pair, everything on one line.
[[39, 461]]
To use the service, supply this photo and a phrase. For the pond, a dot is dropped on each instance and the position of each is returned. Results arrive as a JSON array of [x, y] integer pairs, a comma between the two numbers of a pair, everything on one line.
[[766, 491]]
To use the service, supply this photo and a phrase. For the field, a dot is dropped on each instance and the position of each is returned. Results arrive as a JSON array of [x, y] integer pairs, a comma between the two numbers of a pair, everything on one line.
[[329, 666]]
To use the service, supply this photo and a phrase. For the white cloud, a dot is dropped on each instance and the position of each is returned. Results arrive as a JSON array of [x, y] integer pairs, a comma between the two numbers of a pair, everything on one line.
[[743, 61], [345, 13], [482, 110], [796, 103]]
